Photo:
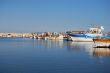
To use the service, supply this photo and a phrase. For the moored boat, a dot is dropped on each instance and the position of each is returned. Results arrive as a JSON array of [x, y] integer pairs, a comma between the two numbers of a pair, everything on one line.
[[87, 36], [102, 40], [102, 43]]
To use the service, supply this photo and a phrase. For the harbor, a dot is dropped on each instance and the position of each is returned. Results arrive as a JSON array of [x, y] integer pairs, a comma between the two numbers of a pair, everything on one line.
[[68, 51], [41, 35], [54, 36], [93, 34]]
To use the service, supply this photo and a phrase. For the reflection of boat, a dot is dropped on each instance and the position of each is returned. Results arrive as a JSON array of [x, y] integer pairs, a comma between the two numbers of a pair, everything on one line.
[[88, 48], [50, 43], [102, 43], [54, 44], [101, 52], [88, 36], [84, 46]]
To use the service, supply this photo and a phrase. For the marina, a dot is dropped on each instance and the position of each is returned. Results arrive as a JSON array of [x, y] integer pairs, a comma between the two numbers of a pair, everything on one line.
[[93, 34], [55, 52], [54, 36]]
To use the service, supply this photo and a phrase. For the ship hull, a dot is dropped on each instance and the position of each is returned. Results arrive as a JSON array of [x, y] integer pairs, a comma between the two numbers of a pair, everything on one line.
[[102, 42], [81, 39]]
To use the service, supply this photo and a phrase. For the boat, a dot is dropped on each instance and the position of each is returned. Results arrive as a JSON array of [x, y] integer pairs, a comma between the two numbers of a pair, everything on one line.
[[102, 40], [57, 37], [102, 43], [87, 36]]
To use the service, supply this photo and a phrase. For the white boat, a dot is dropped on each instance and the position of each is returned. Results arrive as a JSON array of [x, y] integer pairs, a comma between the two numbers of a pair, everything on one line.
[[59, 37], [89, 35]]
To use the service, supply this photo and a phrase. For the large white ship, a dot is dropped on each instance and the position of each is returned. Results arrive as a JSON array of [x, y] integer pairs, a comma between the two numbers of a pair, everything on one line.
[[94, 32]]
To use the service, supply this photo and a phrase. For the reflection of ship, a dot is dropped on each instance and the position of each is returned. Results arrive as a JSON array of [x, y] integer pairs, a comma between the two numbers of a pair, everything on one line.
[[101, 52], [81, 46], [88, 36], [88, 48], [50, 43], [54, 44]]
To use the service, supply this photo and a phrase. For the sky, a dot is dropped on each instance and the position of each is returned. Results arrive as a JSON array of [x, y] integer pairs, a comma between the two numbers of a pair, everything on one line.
[[53, 15]]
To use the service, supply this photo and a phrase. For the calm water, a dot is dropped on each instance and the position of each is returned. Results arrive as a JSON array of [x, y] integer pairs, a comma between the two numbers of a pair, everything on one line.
[[22, 55]]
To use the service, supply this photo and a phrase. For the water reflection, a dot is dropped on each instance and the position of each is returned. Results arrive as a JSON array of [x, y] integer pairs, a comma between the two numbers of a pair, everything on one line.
[[81, 46], [70, 46], [52, 56], [101, 52], [54, 44], [88, 47], [78, 48], [50, 43]]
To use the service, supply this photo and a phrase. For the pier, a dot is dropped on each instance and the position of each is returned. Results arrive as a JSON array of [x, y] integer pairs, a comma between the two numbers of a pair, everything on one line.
[[43, 35]]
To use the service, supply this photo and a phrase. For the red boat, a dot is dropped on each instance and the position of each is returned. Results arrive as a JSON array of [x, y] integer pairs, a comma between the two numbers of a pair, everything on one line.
[[102, 40], [102, 43]]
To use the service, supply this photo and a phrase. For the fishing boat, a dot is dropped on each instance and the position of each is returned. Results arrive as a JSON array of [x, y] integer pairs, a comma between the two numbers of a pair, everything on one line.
[[102, 43], [88, 35]]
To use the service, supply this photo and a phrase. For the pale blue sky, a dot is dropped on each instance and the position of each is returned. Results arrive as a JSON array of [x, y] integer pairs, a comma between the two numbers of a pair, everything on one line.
[[53, 15]]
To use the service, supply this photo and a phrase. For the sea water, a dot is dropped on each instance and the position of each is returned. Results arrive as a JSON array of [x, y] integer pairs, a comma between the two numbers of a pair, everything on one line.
[[24, 55]]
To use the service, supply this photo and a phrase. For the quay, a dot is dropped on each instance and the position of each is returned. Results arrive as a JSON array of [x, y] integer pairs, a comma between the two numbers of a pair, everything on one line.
[[46, 35], [23, 35], [42, 35]]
